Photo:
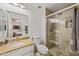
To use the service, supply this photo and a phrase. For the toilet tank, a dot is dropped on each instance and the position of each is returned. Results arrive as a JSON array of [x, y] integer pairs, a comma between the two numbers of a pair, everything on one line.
[[37, 39]]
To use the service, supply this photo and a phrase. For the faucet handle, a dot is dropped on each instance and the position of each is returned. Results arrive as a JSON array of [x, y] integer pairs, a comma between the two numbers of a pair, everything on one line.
[[6, 41]]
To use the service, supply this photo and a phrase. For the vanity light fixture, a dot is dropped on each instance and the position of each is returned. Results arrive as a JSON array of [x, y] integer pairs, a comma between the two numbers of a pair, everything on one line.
[[22, 6], [18, 5]]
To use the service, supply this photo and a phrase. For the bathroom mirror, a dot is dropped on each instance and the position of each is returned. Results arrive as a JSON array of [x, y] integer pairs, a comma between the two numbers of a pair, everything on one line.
[[18, 24], [3, 23]]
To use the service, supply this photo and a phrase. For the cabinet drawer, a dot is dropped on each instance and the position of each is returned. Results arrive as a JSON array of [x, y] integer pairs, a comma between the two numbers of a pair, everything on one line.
[[27, 49], [14, 53], [30, 53], [20, 52]]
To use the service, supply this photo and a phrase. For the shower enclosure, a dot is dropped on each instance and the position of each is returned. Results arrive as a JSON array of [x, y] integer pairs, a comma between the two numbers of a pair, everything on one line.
[[59, 28]]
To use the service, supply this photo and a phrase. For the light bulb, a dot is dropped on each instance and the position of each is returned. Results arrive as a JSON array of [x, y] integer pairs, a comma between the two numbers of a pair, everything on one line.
[[15, 4], [22, 6]]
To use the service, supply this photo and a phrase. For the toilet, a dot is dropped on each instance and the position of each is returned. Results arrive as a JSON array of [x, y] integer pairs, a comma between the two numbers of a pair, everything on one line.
[[41, 48]]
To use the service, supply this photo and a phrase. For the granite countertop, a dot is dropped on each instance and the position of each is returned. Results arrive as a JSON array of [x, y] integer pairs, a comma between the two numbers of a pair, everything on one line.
[[8, 47]]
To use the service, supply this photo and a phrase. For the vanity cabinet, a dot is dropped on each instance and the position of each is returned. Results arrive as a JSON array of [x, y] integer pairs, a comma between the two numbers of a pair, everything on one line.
[[25, 51]]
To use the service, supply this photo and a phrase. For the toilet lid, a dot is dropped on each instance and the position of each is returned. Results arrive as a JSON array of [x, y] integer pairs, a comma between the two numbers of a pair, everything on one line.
[[42, 48]]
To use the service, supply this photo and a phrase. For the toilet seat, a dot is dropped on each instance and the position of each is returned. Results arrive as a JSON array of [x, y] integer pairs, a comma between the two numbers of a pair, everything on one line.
[[42, 49]]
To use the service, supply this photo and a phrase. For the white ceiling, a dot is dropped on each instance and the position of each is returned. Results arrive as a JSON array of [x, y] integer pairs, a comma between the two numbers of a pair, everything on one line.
[[51, 6]]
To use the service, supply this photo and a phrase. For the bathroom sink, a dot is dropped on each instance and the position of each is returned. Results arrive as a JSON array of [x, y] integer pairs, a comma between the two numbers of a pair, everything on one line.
[[16, 44]]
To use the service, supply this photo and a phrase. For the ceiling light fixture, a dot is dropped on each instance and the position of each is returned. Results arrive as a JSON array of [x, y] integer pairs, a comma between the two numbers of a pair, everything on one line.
[[39, 7]]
